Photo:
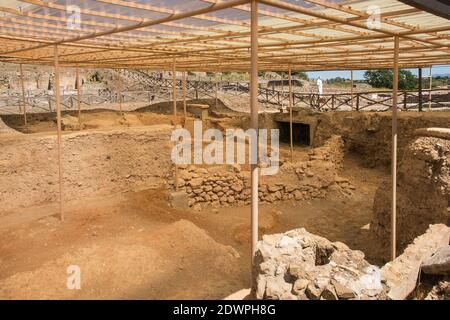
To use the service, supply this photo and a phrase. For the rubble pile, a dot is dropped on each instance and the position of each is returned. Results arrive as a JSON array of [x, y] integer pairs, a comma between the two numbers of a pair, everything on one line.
[[300, 265]]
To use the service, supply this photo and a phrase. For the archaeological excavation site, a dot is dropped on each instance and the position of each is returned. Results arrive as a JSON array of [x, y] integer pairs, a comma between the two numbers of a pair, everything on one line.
[[224, 150]]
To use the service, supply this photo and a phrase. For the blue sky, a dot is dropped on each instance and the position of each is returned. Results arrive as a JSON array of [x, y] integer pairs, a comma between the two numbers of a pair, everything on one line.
[[358, 74]]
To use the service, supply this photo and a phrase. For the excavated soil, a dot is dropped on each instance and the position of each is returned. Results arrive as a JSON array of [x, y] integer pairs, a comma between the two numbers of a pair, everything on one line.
[[90, 119], [135, 246], [159, 113]]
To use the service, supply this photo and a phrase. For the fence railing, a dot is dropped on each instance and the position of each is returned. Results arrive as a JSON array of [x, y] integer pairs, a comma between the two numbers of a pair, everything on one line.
[[158, 89], [358, 101]]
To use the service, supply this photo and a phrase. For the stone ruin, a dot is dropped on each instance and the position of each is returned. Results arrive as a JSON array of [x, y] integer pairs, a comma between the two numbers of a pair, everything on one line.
[[222, 186], [298, 265], [423, 189]]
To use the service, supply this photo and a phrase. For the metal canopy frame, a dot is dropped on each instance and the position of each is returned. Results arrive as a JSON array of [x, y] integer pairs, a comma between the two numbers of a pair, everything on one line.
[[212, 35]]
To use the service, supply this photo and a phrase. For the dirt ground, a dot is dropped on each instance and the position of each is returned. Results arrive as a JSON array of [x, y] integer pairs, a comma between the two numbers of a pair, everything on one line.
[[108, 115], [90, 119], [135, 246]]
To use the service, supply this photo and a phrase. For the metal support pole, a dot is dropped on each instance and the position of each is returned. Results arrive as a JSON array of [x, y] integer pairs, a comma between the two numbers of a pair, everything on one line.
[[351, 84], [184, 97], [291, 135], [120, 91], [420, 89], [79, 97], [431, 87], [254, 122], [24, 103], [216, 85], [394, 152], [174, 96], [58, 127]]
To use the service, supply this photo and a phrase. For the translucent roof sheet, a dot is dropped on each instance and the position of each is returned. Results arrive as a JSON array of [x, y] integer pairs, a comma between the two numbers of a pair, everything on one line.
[[213, 35]]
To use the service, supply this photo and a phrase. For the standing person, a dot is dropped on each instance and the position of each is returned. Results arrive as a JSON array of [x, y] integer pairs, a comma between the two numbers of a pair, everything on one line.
[[319, 85]]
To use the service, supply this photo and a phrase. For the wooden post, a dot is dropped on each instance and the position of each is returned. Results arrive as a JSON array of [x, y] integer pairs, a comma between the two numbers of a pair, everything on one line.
[[290, 113], [24, 103], [254, 122], [394, 152], [431, 87], [405, 100], [351, 84], [357, 101], [184, 97], [78, 82], [58, 127], [420, 89], [174, 96]]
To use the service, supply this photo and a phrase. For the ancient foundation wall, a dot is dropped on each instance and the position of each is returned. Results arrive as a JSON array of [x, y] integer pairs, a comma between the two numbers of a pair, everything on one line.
[[366, 133], [423, 192], [95, 163], [221, 186]]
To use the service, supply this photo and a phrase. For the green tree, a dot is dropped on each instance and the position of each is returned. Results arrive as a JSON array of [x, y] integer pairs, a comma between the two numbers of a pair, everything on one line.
[[406, 80], [95, 76], [384, 79], [337, 80], [300, 75], [296, 74]]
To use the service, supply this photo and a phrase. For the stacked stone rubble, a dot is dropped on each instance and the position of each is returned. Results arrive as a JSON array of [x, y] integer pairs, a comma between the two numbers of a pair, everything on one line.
[[229, 185], [298, 265]]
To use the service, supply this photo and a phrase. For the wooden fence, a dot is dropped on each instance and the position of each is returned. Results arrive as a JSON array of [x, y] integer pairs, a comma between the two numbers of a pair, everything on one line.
[[157, 89]]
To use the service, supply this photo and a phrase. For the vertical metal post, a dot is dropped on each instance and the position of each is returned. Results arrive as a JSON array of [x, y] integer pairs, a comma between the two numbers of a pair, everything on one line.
[[174, 91], [58, 127], [351, 84], [184, 97], [24, 103], [394, 151], [290, 113], [254, 122], [79, 96], [216, 85], [431, 87], [175, 122], [120, 91], [420, 89]]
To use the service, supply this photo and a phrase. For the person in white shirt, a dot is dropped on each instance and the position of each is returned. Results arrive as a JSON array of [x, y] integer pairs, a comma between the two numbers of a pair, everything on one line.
[[319, 85]]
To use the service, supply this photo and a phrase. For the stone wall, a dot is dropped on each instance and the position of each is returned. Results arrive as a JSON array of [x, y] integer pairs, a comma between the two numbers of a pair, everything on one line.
[[222, 186], [366, 133], [423, 192], [95, 163]]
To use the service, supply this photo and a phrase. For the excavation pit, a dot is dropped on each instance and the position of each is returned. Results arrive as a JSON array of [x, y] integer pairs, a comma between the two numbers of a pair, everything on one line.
[[117, 184]]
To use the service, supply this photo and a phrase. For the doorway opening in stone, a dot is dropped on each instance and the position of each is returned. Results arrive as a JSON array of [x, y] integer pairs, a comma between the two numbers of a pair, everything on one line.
[[300, 133]]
